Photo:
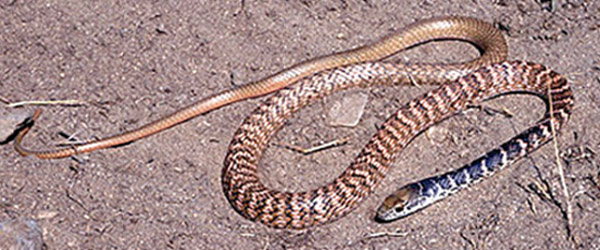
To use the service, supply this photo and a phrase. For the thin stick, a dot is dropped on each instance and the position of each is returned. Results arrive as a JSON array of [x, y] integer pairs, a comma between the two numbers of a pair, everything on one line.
[[41, 102], [311, 150], [559, 165], [396, 233]]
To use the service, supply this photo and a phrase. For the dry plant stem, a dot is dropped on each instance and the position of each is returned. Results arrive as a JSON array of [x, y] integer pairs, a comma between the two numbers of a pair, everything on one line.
[[396, 233], [559, 167], [41, 102], [323, 146]]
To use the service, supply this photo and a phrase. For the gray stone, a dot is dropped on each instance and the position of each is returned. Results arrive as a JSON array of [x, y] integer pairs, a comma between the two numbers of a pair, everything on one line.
[[348, 111]]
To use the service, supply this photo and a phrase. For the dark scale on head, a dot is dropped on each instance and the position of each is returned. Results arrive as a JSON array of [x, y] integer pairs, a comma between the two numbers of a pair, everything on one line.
[[459, 177], [493, 159], [475, 170], [429, 187]]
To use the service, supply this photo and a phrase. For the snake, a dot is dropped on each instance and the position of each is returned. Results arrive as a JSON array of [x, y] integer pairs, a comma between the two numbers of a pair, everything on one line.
[[460, 85]]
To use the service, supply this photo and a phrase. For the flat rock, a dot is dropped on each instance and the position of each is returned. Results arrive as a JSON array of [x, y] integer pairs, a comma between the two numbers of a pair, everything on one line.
[[348, 111], [20, 234], [10, 119]]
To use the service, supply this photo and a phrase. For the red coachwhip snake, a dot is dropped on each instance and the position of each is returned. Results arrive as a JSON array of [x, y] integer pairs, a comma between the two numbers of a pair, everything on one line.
[[462, 84]]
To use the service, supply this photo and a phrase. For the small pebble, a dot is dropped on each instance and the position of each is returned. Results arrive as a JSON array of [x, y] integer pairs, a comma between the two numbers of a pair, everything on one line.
[[348, 111], [20, 234]]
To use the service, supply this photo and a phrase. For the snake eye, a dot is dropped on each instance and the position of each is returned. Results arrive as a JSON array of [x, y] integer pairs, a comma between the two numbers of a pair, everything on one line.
[[399, 209]]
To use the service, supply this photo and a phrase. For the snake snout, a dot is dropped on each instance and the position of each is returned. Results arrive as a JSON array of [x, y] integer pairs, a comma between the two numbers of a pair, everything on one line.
[[397, 205]]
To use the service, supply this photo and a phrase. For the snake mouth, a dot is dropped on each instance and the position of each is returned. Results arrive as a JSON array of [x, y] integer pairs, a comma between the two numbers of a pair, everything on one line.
[[386, 215], [381, 219], [397, 205]]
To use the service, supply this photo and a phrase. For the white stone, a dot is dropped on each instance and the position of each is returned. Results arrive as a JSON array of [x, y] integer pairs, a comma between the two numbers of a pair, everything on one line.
[[348, 111]]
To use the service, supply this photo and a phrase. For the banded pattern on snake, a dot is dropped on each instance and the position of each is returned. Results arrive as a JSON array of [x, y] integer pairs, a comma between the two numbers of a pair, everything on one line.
[[462, 84], [299, 210]]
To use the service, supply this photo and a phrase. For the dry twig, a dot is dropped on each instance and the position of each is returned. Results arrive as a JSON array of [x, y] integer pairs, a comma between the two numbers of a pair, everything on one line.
[[559, 166], [395, 233], [42, 102], [307, 151]]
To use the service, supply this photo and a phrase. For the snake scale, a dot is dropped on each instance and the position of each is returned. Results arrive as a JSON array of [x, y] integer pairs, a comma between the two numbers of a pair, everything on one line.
[[461, 84]]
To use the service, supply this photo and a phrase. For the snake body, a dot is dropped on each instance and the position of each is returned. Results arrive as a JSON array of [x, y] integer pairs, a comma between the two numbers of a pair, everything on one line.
[[299, 210], [461, 84]]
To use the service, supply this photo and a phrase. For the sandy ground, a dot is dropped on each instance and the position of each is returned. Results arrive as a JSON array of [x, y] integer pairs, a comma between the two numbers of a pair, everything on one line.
[[136, 61]]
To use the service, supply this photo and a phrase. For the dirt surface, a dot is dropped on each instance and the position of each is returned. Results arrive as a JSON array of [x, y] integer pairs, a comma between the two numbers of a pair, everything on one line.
[[136, 61]]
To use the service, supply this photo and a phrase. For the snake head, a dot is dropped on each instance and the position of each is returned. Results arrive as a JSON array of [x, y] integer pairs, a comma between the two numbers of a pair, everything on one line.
[[401, 203]]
